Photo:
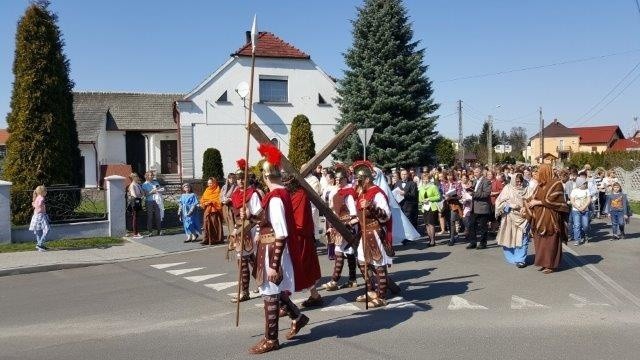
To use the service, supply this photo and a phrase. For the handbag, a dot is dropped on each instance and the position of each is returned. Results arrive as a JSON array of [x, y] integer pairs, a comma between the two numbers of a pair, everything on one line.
[[135, 204]]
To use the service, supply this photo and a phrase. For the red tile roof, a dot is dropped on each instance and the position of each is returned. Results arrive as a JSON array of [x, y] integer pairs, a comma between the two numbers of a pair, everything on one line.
[[272, 46], [626, 144], [597, 134], [4, 135]]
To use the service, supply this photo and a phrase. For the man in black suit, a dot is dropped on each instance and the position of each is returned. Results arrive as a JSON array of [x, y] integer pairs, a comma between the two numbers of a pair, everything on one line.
[[409, 189], [480, 210]]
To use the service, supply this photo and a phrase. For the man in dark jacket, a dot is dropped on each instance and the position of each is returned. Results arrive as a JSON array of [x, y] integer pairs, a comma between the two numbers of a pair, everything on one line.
[[480, 210], [408, 189]]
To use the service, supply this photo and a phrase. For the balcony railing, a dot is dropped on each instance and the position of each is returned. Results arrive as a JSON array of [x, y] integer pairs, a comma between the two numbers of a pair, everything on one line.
[[563, 148]]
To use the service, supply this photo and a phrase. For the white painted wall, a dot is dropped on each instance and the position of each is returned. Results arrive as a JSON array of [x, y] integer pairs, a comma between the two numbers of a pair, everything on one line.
[[89, 154], [222, 125], [153, 145]]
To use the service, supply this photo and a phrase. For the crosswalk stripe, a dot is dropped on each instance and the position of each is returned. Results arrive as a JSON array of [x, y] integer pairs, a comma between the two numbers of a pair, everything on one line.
[[164, 266], [400, 303], [582, 302], [340, 304], [221, 286], [519, 303], [183, 271], [199, 278], [460, 303]]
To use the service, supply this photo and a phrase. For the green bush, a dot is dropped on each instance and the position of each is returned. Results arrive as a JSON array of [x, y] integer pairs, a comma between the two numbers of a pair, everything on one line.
[[301, 145], [627, 160], [212, 164]]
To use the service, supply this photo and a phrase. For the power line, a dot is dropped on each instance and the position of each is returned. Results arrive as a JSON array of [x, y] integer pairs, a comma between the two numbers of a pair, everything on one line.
[[535, 67], [638, 6], [582, 119], [615, 97]]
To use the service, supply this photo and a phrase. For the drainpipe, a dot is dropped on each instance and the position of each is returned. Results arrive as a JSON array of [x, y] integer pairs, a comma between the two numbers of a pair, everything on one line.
[[95, 151], [176, 119], [146, 150]]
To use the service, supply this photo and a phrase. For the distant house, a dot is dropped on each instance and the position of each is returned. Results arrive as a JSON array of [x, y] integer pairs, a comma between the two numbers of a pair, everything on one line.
[[631, 144], [598, 138], [559, 141], [287, 83], [4, 136], [126, 128]]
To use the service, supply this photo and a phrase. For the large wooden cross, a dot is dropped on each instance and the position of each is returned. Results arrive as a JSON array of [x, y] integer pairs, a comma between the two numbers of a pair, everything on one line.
[[331, 217]]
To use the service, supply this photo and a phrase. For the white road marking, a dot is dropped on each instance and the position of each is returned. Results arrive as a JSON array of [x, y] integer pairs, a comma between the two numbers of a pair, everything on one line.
[[340, 304], [400, 303], [582, 302], [199, 278], [519, 303], [604, 291], [221, 286], [459, 303], [164, 266], [183, 271]]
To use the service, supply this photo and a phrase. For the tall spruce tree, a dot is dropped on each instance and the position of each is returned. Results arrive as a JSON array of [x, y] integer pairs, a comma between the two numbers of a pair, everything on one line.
[[301, 145], [43, 146], [386, 87]]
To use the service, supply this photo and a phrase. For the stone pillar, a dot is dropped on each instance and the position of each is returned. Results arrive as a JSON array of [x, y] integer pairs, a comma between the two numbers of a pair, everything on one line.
[[116, 205], [5, 212]]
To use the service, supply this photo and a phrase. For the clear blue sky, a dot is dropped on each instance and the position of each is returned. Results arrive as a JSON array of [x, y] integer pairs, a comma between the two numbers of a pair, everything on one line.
[[170, 46]]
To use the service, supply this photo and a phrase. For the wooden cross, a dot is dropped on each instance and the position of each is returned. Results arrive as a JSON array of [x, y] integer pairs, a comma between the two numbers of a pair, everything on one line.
[[331, 217]]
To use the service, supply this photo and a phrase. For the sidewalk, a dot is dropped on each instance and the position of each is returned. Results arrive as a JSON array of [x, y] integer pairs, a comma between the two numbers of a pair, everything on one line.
[[33, 261]]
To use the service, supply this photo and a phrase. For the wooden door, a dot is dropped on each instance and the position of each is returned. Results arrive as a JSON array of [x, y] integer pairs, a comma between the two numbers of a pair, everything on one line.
[[169, 156]]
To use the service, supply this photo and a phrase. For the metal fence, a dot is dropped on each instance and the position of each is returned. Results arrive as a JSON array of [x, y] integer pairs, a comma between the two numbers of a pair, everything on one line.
[[630, 181], [64, 205]]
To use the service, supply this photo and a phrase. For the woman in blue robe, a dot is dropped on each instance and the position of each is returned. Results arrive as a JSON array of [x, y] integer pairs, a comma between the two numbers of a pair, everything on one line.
[[189, 214], [513, 234]]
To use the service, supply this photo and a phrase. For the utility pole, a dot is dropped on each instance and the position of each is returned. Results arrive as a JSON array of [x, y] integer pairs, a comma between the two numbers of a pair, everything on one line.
[[460, 138], [635, 125], [490, 142], [541, 136]]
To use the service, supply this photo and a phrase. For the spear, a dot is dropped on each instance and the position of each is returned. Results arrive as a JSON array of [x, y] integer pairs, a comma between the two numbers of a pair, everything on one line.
[[254, 43]]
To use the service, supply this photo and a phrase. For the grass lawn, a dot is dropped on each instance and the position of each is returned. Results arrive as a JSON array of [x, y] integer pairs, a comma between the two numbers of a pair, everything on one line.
[[64, 244], [635, 207]]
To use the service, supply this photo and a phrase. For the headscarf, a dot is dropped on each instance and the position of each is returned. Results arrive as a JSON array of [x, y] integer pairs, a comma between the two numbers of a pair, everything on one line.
[[548, 218]]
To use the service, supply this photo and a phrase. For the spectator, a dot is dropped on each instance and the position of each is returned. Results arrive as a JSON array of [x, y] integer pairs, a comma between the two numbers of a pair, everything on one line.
[[225, 199], [134, 202], [452, 195], [480, 210], [40, 221], [210, 203], [409, 190], [618, 209], [443, 210], [546, 211], [428, 197], [497, 184], [153, 202], [188, 213]]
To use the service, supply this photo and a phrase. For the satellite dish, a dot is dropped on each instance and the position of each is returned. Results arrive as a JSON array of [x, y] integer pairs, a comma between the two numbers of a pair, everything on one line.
[[243, 89]]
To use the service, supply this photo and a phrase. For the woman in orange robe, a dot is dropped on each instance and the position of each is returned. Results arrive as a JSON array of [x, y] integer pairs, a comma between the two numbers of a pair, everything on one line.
[[212, 206]]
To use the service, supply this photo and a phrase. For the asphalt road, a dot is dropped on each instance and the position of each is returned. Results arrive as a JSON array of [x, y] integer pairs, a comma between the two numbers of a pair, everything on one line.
[[455, 304]]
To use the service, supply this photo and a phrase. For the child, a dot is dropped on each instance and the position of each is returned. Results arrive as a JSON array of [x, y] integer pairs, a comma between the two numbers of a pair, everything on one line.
[[39, 221], [618, 209]]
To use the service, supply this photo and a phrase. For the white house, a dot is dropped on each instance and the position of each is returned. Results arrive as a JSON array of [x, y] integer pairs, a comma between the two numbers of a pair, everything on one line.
[[133, 129], [287, 83]]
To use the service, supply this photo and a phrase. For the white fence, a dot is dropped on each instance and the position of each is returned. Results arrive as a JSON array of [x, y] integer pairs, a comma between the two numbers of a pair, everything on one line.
[[630, 181], [115, 225]]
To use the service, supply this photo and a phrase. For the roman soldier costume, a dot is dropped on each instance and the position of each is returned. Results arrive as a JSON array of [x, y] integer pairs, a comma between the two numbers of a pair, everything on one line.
[[376, 248], [342, 201], [274, 271], [245, 247]]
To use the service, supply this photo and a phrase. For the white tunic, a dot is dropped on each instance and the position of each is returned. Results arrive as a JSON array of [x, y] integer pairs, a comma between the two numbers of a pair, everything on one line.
[[380, 202], [276, 217]]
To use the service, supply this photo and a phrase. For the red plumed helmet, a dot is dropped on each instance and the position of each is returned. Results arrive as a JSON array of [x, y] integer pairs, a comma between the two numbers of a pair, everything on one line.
[[242, 164], [272, 157]]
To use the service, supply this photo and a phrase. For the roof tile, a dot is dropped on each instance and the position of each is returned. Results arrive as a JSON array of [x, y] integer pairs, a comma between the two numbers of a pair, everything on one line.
[[597, 134], [272, 46]]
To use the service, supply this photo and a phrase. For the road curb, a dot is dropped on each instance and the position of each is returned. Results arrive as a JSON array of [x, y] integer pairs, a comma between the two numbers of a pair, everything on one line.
[[55, 267]]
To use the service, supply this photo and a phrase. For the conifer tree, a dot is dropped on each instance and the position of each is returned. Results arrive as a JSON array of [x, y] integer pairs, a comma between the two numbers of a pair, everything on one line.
[[386, 87], [301, 145], [43, 145], [212, 164]]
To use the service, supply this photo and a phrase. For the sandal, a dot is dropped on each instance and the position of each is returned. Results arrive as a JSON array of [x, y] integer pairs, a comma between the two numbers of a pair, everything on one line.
[[377, 303], [547, 271], [297, 325], [331, 286], [264, 346], [363, 298], [243, 297], [312, 302]]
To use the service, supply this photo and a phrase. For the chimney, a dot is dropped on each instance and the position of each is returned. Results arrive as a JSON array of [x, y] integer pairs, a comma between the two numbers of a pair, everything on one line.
[[555, 121], [247, 35]]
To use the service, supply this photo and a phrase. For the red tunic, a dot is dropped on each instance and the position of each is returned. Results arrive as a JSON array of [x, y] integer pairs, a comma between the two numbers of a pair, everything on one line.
[[368, 195], [302, 246], [237, 199]]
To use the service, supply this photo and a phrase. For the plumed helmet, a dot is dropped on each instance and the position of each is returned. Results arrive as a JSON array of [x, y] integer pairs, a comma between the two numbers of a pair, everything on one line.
[[341, 171], [363, 169], [272, 157], [242, 167]]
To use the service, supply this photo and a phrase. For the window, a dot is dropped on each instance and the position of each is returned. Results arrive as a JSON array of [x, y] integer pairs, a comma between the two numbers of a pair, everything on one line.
[[273, 90], [223, 97], [321, 100], [594, 149]]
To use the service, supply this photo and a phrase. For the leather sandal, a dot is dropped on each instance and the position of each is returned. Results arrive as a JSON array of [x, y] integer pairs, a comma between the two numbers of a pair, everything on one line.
[[377, 303], [547, 271], [312, 302], [331, 286], [363, 298], [282, 312], [243, 297], [297, 325], [264, 346]]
